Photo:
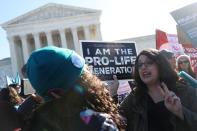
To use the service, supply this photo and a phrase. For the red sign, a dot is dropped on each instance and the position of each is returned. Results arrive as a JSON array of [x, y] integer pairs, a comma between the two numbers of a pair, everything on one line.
[[192, 52]]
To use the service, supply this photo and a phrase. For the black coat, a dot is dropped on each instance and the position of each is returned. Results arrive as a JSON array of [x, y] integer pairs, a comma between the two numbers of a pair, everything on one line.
[[136, 113], [9, 117]]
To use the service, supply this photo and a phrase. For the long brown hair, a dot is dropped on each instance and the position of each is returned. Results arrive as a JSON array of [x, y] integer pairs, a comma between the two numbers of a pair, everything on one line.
[[99, 98], [166, 72]]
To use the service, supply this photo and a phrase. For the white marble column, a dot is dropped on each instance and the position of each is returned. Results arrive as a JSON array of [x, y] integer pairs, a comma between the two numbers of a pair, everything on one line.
[[75, 39], [25, 47], [87, 32], [37, 40], [63, 38], [13, 54], [98, 32], [49, 38]]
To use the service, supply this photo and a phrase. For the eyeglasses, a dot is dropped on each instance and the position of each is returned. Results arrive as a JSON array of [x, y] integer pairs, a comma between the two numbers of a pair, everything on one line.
[[185, 62], [146, 64]]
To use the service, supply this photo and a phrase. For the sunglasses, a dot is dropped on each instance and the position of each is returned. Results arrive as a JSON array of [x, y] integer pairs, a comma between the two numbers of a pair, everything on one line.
[[183, 62]]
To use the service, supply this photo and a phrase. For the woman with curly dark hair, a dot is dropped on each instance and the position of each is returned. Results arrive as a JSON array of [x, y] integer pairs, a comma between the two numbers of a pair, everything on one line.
[[159, 102], [74, 98]]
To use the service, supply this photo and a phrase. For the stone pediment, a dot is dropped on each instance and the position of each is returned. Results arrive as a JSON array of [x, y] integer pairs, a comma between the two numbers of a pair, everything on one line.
[[50, 11]]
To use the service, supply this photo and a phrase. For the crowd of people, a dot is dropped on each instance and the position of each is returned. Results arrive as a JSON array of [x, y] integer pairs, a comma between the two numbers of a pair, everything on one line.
[[70, 98], [180, 64]]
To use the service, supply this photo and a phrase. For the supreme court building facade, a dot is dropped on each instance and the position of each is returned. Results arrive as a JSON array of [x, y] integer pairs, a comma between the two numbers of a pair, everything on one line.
[[52, 24]]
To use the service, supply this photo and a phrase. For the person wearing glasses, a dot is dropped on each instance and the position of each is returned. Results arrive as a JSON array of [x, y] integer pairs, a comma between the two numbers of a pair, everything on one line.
[[183, 64], [159, 102]]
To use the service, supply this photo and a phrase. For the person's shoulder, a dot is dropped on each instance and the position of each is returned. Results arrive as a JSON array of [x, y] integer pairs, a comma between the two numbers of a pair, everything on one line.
[[129, 101], [186, 91], [182, 86]]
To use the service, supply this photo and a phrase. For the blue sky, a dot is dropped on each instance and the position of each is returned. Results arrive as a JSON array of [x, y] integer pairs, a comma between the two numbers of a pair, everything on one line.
[[120, 19]]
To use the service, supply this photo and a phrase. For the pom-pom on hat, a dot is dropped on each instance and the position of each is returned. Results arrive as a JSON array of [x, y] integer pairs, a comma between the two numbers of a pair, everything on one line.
[[53, 67]]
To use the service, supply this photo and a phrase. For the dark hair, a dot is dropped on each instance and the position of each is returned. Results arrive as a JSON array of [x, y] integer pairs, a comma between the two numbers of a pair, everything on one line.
[[166, 72], [166, 53], [10, 95]]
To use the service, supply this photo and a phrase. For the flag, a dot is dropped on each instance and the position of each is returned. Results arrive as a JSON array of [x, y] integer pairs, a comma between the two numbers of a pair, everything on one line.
[[161, 38], [169, 42]]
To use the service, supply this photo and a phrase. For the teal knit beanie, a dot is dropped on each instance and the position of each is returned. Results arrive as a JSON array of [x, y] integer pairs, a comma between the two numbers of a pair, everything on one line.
[[53, 67]]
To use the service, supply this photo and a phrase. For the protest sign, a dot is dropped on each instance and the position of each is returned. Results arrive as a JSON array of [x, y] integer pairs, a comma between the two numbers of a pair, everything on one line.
[[110, 58], [192, 52], [186, 18]]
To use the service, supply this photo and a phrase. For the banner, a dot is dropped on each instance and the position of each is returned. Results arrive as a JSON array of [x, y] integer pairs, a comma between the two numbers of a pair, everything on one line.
[[192, 52], [110, 58], [169, 42], [186, 18]]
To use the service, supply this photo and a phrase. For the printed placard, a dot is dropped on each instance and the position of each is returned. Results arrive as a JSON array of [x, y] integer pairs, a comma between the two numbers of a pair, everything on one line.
[[106, 59]]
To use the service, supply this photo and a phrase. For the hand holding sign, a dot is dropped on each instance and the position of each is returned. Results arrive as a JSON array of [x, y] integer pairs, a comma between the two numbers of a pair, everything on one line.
[[172, 102], [114, 86]]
